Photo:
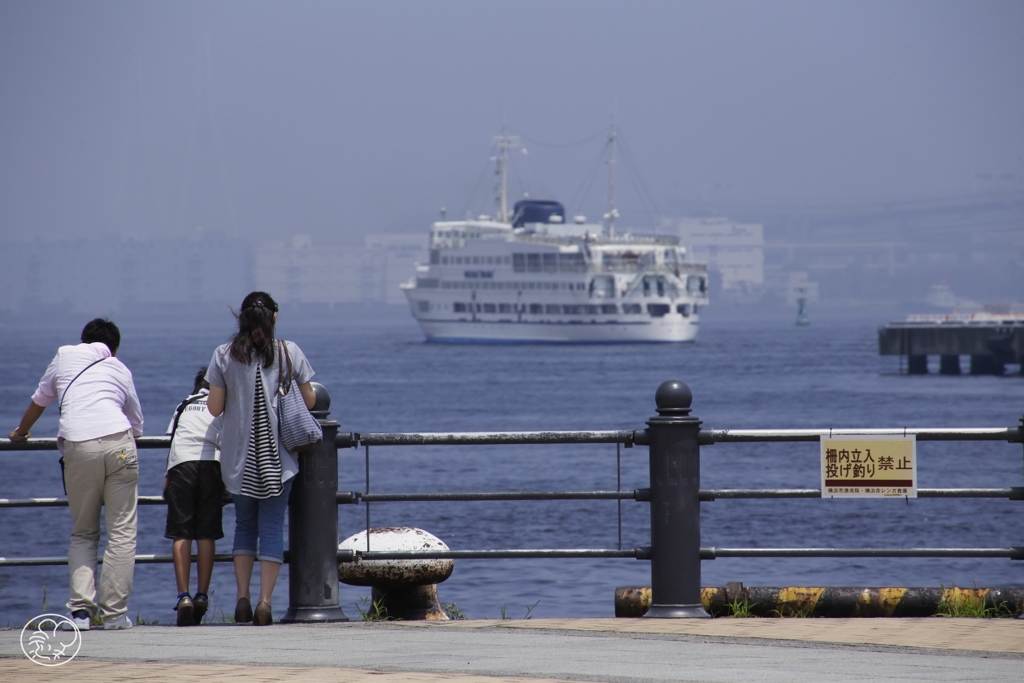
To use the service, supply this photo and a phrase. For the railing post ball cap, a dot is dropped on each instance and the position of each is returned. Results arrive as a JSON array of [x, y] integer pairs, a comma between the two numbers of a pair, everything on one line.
[[415, 572], [673, 398], [322, 407]]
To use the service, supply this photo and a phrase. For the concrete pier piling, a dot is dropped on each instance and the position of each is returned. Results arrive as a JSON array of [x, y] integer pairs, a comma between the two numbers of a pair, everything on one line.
[[992, 341]]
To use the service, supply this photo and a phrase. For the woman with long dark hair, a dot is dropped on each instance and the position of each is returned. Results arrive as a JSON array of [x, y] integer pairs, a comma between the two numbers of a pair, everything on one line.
[[256, 468]]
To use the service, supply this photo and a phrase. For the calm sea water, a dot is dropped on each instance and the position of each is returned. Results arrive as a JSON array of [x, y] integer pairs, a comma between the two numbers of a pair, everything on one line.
[[744, 373]]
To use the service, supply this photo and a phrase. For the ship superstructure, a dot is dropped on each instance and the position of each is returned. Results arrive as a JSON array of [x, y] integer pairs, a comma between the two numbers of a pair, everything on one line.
[[530, 276]]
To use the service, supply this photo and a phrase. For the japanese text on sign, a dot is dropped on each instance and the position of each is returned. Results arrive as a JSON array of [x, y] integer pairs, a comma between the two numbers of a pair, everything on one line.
[[869, 466]]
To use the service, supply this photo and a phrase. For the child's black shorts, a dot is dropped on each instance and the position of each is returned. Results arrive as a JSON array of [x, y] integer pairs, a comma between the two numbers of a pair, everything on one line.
[[194, 498]]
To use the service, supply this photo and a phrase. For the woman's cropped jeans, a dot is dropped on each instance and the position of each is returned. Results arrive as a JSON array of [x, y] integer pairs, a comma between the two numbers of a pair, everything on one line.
[[259, 525]]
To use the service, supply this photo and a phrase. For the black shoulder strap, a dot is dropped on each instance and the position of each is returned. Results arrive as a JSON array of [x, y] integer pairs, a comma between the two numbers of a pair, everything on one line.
[[181, 409], [65, 392]]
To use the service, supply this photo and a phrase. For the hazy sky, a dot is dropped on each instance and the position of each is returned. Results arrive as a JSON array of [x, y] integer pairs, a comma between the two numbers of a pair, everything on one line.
[[337, 119]]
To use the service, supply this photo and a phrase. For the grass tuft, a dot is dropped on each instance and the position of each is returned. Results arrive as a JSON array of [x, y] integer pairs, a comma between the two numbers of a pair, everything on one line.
[[965, 604], [372, 610], [741, 609], [453, 611]]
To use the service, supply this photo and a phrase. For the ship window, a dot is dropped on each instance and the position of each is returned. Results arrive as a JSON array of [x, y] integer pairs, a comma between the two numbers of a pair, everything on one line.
[[427, 283], [476, 260], [683, 310], [424, 306], [490, 308], [536, 308], [658, 310], [603, 286], [550, 263], [632, 308], [571, 263], [609, 309], [533, 263], [519, 263], [693, 284], [508, 260], [661, 287], [435, 257], [590, 309], [572, 310], [490, 259], [504, 308], [696, 309], [444, 260], [459, 307]]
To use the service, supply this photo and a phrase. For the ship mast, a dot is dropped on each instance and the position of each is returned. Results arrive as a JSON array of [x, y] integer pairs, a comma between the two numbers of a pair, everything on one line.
[[613, 213], [504, 143]]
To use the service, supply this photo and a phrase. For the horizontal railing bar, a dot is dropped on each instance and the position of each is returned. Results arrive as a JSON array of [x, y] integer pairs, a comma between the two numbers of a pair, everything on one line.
[[349, 556], [635, 553], [343, 440], [1010, 434], [642, 495], [342, 498], [1012, 493], [714, 552], [627, 437], [139, 559], [502, 495], [493, 438], [63, 502], [641, 553]]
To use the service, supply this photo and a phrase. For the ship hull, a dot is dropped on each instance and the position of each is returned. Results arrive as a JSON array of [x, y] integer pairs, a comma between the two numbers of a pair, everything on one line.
[[513, 332]]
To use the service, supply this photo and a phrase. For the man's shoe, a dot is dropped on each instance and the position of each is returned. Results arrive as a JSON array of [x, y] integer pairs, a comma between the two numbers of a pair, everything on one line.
[[201, 604], [243, 611], [119, 624], [263, 616], [186, 611], [80, 618]]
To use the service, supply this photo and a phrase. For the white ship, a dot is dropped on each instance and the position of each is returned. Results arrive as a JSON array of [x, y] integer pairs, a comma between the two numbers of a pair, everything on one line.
[[528, 275]]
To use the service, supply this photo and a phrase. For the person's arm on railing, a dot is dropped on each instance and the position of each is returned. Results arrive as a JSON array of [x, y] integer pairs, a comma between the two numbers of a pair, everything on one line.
[[22, 431]]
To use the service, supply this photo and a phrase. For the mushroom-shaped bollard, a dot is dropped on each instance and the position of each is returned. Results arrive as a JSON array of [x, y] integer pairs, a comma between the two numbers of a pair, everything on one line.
[[403, 589]]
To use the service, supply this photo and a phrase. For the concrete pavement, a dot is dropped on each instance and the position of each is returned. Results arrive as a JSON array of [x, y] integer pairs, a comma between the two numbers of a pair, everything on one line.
[[719, 650]]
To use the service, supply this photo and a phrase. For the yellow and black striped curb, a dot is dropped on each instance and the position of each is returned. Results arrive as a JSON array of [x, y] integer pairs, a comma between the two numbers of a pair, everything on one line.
[[797, 601]]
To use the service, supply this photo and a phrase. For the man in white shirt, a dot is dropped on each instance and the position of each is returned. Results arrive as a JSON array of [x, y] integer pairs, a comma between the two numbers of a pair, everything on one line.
[[99, 416]]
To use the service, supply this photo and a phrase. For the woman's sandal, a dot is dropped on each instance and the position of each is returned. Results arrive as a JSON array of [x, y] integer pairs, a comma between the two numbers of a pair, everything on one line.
[[243, 611], [263, 614]]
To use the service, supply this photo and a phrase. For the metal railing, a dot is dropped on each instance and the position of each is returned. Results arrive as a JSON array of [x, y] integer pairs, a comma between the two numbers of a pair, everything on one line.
[[674, 439]]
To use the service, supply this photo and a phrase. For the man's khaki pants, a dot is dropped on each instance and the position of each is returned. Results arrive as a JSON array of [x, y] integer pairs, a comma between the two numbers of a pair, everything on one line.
[[102, 472]]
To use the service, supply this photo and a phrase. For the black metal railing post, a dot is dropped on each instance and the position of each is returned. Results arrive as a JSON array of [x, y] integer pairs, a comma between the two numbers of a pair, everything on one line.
[[313, 527], [675, 505]]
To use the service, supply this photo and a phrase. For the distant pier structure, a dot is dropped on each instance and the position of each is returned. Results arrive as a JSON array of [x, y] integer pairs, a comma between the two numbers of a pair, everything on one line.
[[991, 341]]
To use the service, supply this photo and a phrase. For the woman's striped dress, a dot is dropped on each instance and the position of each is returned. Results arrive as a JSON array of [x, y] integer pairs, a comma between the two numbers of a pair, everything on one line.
[[262, 476]]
